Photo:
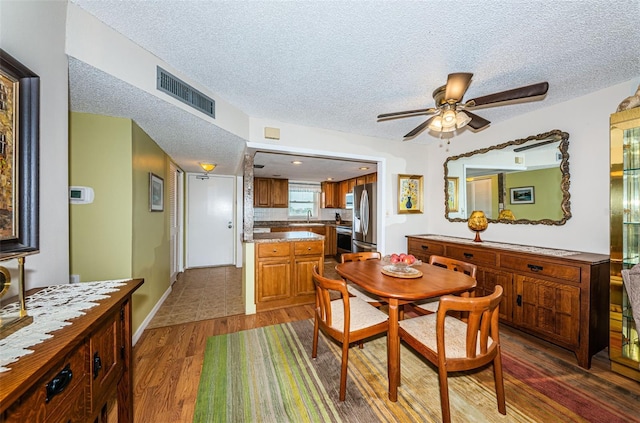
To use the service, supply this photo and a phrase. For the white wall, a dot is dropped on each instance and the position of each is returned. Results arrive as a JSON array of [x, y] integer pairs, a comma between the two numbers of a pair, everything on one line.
[[586, 119], [34, 33]]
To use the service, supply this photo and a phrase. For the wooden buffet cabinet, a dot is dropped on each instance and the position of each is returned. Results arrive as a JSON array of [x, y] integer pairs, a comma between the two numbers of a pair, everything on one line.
[[284, 268], [77, 374], [561, 297]]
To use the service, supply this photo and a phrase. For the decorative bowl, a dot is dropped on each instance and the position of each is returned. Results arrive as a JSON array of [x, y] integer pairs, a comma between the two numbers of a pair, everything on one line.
[[399, 267]]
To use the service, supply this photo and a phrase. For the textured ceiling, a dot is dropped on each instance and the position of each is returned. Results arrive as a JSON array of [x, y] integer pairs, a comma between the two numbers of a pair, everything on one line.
[[337, 65]]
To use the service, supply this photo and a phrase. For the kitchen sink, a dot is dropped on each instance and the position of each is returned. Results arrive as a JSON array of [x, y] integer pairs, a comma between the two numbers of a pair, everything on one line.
[[306, 224]]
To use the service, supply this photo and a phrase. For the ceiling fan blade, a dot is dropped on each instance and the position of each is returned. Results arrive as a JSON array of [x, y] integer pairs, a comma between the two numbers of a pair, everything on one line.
[[419, 128], [476, 122], [457, 84], [514, 94], [406, 113]]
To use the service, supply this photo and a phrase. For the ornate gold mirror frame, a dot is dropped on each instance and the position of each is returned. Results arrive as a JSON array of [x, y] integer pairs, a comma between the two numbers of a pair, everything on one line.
[[453, 195]]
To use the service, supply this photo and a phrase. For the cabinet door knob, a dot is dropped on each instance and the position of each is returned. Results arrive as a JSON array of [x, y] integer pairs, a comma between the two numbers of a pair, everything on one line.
[[424, 247], [97, 365], [468, 255]]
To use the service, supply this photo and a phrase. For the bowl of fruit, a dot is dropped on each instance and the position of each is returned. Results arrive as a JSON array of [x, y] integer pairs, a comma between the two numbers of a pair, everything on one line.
[[401, 263]]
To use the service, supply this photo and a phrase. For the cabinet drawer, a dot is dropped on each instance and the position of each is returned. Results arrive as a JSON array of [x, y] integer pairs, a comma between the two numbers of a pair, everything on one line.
[[64, 384], [279, 249], [537, 267], [472, 255], [302, 248], [419, 247]]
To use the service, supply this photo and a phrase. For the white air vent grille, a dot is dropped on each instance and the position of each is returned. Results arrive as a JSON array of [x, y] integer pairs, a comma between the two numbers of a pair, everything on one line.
[[176, 88]]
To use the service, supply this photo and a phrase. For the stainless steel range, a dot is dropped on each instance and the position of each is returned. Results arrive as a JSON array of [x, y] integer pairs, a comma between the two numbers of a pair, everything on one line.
[[343, 235]]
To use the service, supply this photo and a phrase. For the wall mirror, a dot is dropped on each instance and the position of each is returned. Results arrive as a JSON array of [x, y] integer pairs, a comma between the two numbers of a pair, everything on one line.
[[524, 181]]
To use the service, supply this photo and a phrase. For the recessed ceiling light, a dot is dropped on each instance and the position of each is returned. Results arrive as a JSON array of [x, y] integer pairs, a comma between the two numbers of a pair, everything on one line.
[[296, 162], [364, 168], [329, 179]]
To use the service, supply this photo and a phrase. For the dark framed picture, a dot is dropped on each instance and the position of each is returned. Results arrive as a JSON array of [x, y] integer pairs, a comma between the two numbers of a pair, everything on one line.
[[522, 195], [156, 193], [19, 138]]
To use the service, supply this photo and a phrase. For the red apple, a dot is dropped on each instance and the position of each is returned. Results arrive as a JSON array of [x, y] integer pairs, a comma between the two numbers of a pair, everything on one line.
[[402, 256], [395, 258], [409, 259]]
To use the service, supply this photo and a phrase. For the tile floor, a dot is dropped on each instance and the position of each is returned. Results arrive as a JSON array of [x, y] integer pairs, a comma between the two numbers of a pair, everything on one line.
[[209, 293], [201, 294]]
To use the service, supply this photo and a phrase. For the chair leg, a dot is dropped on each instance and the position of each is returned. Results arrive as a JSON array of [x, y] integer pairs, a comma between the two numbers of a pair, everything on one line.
[[314, 351], [444, 394], [343, 370], [497, 376]]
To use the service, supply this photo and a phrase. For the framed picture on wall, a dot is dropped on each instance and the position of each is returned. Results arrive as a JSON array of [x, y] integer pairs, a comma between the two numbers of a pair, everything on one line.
[[452, 194], [410, 193], [19, 176], [156, 193], [522, 195]]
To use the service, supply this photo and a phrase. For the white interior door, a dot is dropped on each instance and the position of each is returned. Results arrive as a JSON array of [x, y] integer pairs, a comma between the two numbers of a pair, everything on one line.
[[479, 196], [210, 220]]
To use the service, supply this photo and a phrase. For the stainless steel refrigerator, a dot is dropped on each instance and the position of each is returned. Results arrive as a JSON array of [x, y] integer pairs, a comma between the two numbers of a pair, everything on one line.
[[364, 218]]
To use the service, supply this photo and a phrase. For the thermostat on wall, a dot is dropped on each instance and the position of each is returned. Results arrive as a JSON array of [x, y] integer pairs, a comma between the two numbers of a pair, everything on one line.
[[81, 195]]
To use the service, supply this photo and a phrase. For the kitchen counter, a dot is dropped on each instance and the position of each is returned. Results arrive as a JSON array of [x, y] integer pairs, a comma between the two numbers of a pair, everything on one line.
[[285, 223], [286, 236]]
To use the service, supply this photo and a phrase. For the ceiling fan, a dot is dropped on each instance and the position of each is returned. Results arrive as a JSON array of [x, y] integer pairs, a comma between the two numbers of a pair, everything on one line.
[[451, 113]]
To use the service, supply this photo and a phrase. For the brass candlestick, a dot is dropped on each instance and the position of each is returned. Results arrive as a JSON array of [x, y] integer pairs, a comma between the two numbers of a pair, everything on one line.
[[11, 324]]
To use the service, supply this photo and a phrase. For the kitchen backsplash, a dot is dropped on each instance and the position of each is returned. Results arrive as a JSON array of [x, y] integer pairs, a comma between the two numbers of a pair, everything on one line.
[[264, 214]]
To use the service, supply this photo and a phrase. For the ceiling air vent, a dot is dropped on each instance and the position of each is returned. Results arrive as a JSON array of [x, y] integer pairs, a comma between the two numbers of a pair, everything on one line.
[[176, 88]]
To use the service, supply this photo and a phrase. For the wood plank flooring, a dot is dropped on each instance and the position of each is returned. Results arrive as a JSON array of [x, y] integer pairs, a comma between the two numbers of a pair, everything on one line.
[[168, 360]]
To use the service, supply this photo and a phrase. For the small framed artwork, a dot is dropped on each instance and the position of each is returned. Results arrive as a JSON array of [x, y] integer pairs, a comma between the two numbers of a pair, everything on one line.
[[156, 193], [410, 189], [522, 195], [452, 194]]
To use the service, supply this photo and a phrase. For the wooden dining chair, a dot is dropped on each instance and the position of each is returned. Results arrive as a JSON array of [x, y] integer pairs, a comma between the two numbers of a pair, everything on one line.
[[431, 305], [453, 345], [347, 320], [355, 290]]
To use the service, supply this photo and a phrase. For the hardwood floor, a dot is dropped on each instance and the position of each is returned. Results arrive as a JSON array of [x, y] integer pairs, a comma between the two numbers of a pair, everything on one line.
[[168, 361]]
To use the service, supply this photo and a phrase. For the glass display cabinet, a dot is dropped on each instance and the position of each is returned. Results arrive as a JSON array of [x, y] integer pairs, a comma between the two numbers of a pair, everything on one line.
[[624, 347]]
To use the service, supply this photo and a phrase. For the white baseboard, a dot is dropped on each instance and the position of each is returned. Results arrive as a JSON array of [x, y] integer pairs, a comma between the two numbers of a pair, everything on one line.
[[147, 320]]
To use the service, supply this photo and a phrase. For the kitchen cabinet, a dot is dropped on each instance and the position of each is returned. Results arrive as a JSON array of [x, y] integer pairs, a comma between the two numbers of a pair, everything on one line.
[[371, 177], [344, 189], [351, 184], [624, 344], [559, 296], [272, 193], [330, 194], [330, 241], [90, 361], [361, 180], [283, 273]]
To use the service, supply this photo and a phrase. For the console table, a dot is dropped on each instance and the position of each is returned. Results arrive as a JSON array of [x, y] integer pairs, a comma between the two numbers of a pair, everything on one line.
[[557, 295], [76, 374]]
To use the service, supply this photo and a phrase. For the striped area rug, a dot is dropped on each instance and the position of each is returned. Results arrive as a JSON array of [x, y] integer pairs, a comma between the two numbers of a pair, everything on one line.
[[267, 375]]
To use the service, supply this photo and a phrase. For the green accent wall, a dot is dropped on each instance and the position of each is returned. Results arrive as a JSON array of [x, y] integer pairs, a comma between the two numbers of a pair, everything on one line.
[[117, 237], [100, 232], [546, 191]]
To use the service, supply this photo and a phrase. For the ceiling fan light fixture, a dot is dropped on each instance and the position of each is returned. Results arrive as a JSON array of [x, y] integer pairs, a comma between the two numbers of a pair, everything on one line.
[[448, 117], [462, 119], [436, 124]]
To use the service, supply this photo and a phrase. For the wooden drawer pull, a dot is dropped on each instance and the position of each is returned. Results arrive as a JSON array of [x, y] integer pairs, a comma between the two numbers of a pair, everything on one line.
[[59, 382], [468, 255], [535, 268]]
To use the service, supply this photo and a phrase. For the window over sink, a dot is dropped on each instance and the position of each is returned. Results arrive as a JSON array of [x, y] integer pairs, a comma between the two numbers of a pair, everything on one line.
[[304, 198]]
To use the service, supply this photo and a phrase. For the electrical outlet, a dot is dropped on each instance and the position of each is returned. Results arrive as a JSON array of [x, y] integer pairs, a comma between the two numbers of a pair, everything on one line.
[[74, 278]]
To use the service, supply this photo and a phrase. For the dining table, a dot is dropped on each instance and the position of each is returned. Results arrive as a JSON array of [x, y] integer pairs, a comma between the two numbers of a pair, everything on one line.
[[397, 289]]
